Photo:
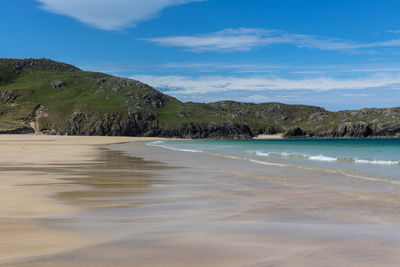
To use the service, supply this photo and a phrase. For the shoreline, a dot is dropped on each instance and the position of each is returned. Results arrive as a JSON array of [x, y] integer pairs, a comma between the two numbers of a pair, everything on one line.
[[195, 209]]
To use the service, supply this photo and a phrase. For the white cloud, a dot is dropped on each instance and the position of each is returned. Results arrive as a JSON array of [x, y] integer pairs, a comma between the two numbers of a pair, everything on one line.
[[375, 70], [355, 95], [393, 31], [256, 98], [309, 72], [245, 39], [212, 84], [216, 65], [110, 14]]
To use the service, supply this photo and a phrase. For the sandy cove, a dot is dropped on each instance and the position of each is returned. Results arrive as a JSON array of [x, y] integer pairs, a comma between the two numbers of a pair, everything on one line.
[[179, 209]]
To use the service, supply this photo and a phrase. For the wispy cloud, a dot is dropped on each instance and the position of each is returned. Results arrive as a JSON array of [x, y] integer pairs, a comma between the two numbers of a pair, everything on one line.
[[107, 14], [219, 65], [355, 95], [244, 69], [393, 31], [374, 70], [257, 98], [245, 39], [212, 84], [223, 67]]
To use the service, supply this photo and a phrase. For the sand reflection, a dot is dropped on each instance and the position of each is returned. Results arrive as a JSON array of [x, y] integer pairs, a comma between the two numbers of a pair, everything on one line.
[[111, 181]]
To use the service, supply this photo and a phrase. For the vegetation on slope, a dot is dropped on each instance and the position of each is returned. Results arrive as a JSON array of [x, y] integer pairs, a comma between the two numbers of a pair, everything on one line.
[[56, 98]]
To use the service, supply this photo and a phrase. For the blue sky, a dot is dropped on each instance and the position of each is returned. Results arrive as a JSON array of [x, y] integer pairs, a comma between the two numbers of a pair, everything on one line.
[[339, 54]]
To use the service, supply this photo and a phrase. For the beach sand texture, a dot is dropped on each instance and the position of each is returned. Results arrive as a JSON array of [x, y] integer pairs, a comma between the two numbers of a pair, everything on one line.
[[31, 169], [98, 201]]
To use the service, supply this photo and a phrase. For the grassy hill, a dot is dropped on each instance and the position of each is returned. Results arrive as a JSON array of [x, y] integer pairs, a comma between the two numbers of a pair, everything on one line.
[[41, 95]]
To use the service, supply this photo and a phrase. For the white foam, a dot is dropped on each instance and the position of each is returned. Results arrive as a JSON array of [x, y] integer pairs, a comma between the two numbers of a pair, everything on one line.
[[233, 157], [261, 154], [280, 154], [322, 158], [159, 144], [299, 156], [155, 143], [371, 178], [377, 162], [267, 163]]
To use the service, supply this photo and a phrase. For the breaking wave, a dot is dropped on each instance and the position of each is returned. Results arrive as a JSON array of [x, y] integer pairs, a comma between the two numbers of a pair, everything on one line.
[[324, 158], [161, 144]]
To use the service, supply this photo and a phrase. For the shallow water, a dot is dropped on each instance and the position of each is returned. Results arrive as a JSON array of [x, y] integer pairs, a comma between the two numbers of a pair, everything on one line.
[[364, 158]]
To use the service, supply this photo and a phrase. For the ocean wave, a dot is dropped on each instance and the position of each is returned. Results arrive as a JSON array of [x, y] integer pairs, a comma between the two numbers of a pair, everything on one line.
[[155, 143], [160, 144], [267, 163], [290, 155], [298, 156], [377, 162], [279, 154], [325, 158]]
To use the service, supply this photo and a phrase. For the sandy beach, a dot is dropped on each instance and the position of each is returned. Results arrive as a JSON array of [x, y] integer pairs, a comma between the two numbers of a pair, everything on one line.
[[29, 171], [101, 201], [269, 136]]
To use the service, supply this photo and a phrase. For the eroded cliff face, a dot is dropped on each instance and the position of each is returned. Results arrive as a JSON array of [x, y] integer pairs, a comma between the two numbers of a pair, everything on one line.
[[146, 124], [355, 124], [44, 96], [108, 124]]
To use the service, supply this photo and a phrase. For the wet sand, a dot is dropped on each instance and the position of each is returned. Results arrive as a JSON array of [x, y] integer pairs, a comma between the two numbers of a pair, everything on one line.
[[35, 169], [135, 205]]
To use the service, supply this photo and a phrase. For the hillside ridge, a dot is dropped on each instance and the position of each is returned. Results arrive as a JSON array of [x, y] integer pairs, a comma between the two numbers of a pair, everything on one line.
[[49, 97]]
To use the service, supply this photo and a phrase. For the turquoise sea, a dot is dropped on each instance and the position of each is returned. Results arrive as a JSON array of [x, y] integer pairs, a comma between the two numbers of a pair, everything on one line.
[[360, 158]]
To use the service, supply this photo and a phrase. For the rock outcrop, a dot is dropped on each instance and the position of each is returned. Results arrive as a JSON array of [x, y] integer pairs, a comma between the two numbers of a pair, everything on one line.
[[210, 131], [31, 63], [57, 84], [295, 132], [8, 96], [145, 124], [353, 129]]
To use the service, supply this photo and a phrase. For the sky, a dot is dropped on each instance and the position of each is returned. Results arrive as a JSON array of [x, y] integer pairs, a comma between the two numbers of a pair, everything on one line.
[[338, 54]]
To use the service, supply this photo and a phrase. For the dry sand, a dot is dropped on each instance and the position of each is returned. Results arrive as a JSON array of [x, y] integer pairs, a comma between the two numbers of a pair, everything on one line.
[[269, 136], [71, 203]]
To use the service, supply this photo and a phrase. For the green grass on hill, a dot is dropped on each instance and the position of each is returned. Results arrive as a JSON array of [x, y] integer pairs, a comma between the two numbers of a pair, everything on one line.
[[26, 84]]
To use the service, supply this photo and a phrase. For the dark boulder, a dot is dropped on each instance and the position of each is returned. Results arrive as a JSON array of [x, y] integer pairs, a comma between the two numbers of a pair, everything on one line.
[[294, 132], [270, 130]]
